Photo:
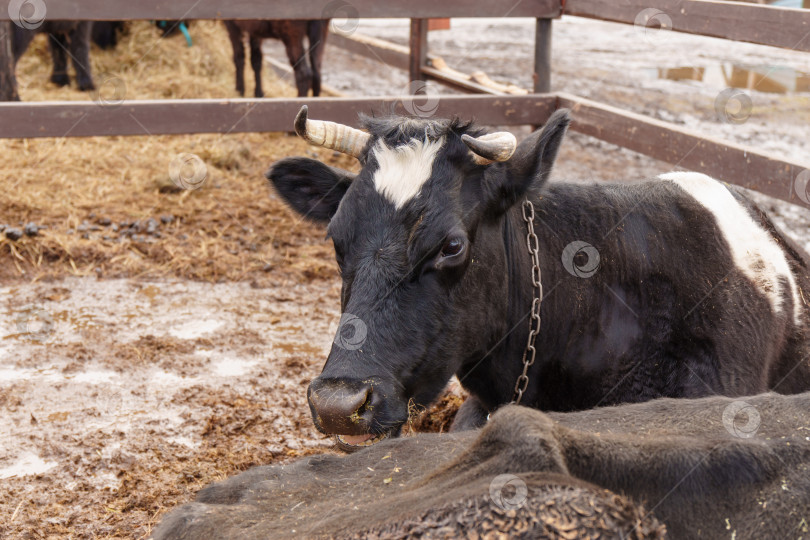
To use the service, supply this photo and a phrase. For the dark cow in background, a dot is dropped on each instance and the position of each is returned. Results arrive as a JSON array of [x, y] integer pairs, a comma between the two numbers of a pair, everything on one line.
[[292, 34], [105, 34], [65, 38], [695, 292], [615, 472]]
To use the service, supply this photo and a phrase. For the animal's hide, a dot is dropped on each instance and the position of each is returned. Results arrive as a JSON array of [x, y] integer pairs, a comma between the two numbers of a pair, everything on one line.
[[618, 470]]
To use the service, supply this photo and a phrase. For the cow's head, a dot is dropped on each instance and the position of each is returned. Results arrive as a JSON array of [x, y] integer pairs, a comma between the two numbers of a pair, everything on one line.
[[418, 236]]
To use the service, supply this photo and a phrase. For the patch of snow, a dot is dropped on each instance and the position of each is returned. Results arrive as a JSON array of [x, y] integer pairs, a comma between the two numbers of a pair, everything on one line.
[[28, 464], [233, 367], [95, 377], [195, 329]]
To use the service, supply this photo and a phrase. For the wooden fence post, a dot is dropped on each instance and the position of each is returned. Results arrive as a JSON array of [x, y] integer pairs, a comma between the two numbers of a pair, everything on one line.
[[419, 49], [8, 80], [542, 56]]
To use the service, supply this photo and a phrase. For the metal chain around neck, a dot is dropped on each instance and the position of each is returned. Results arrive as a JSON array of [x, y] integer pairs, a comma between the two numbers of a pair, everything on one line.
[[534, 320]]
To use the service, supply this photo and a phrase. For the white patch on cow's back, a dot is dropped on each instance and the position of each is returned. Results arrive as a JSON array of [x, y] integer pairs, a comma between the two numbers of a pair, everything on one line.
[[404, 170], [754, 250]]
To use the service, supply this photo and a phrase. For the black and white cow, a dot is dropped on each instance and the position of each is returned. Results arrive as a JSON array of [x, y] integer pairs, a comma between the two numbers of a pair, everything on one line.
[[677, 287]]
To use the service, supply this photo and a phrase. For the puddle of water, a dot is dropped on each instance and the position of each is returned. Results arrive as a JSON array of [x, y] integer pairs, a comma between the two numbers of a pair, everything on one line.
[[772, 79], [26, 465]]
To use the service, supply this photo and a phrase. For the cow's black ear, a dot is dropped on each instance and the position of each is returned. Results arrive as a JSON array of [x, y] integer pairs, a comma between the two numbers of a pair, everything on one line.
[[528, 168], [311, 188]]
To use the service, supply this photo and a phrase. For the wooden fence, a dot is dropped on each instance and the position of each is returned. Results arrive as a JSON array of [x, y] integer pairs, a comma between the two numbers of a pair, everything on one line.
[[748, 167]]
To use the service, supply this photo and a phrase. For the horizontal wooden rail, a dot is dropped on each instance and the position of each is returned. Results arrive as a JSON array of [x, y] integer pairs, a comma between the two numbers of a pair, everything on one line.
[[122, 10], [732, 163], [160, 117], [787, 28]]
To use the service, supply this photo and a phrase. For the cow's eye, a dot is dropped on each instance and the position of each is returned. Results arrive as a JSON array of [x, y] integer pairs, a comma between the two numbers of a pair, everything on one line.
[[452, 247]]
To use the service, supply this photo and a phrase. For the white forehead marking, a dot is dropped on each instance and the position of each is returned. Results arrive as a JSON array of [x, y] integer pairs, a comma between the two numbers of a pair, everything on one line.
[[754, 250], [405, 169]]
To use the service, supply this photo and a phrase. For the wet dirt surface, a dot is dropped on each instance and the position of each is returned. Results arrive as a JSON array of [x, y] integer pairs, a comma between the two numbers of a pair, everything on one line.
[[188, 360], [112, 390]]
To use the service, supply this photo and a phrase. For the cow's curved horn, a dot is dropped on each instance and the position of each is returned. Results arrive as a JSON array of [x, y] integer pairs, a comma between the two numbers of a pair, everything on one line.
[[338, 137], [491, 147]]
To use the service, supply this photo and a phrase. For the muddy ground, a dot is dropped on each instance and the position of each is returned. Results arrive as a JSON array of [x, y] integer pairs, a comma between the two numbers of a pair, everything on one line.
[[142, 360]]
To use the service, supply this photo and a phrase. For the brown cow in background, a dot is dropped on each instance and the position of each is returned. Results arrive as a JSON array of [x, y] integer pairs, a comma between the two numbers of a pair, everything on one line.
[[292, 34]]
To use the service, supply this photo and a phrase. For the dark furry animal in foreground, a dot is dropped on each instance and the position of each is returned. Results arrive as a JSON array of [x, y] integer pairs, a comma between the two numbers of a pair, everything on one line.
[[703, 468]]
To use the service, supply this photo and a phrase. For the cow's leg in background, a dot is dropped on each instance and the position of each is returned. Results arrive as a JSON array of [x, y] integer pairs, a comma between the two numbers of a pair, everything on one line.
[[59, 46], [235, 35], [256, 59], [317, 31], [79, 40], [20, 40], [298, 60], [471, 415]]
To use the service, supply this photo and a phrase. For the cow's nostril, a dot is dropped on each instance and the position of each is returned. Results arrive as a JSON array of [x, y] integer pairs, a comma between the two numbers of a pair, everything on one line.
[[340, 407]]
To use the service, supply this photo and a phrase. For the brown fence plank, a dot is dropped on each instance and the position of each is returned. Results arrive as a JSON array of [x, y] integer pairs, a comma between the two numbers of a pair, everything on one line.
[[300, 9], [767, 25], [158, 117], [732, 163]]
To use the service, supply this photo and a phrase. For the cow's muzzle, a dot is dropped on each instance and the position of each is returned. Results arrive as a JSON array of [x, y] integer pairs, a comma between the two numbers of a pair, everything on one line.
[[356, 411]]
